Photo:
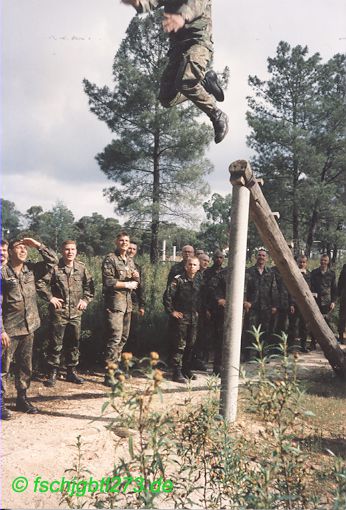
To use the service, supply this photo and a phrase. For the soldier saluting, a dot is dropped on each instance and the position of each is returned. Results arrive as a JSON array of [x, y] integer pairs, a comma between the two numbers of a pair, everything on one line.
[[20, 317], [191, 48]]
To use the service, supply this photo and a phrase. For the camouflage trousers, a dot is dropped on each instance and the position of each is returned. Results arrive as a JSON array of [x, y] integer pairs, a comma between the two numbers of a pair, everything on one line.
[[182, 78], [118, 328], [183, 339], [20, 349], [297, 329], [65, 335], [256, 317]]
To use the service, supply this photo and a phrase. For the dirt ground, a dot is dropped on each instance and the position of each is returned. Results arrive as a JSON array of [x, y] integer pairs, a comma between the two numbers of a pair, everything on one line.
[[43, 444]]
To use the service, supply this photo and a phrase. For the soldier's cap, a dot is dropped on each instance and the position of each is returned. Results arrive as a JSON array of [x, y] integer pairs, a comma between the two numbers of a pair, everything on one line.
[[217, 254], [14, 242]]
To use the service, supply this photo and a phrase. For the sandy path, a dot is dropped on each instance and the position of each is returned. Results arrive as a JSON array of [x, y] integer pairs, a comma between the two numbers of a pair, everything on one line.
[[41, 445]]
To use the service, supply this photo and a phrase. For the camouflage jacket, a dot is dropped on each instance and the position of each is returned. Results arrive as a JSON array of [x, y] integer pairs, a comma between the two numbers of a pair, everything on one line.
[[178, 268], [210, 282], [261, 289], [198, 22], [324, 285], [219, 291], [116, 269], [137, 295], [18, 300], [307, 277], [285, 300], [342, 284], [71, 287], [183, 294]]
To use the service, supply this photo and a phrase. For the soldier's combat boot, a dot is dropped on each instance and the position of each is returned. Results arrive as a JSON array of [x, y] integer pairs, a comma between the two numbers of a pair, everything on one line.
[[23, 405], [188, 374], [220, 123], [5, 413], [198, 364], [52, 375], [73, 377], [212, 86], [178, 376]]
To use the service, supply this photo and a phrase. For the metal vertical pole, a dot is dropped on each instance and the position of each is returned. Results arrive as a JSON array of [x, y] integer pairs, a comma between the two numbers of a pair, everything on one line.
[[174, 252], [234, 301], [164, 250]]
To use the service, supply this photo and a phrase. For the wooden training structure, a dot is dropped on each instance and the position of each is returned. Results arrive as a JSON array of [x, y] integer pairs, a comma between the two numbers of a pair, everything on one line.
[[291, 275]]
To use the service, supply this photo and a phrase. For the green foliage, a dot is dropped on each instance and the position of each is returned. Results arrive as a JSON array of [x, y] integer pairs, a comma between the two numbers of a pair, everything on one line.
[[10, 220], [162, 149], [297, 118]]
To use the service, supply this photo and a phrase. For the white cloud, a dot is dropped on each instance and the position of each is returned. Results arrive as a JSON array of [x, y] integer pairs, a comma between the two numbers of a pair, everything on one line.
[[49, 46]]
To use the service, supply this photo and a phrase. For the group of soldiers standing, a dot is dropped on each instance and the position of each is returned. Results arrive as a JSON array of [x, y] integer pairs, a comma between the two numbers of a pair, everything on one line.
[[194, 300]]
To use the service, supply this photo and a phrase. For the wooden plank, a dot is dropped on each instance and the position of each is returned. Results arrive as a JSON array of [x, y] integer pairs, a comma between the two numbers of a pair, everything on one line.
[[273, 238]]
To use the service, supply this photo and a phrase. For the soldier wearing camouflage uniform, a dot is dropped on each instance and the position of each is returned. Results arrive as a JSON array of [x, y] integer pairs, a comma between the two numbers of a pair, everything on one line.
[[342, 310], [69, 289], [20, 317], [284, 309], [119, 277], [182, 303], [323, 286], [187, 251], [191, 48], [260, 301], [138, 306], [298, 327]]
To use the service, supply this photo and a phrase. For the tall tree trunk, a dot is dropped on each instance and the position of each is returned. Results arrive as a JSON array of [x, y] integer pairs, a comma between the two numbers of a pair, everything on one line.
[[155, 216], [312, 229], [295, 209]]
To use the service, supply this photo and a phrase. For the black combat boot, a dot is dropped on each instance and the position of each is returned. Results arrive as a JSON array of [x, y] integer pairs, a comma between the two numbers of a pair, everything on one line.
[[23, 404], [197, 364], [212, 86], [52, 375], [188, 374], [178, 376], [5, 413], [73, 377], [220, 123]]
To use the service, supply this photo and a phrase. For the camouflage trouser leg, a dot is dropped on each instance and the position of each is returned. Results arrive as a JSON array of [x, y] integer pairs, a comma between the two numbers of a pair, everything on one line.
[[118, 328], [20, 349], [255, 318], [297, 329], [65, 334], [184, 337], [182, 78]]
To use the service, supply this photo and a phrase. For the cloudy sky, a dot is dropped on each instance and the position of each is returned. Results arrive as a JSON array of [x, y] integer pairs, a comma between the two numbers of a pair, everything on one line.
[[49, 138]]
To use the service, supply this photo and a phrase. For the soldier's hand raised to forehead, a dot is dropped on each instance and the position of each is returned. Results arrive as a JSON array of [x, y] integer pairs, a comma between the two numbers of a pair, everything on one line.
[[29, 241]]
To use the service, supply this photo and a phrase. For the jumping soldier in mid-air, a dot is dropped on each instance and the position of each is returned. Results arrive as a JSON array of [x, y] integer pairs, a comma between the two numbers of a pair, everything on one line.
[[191, 48]]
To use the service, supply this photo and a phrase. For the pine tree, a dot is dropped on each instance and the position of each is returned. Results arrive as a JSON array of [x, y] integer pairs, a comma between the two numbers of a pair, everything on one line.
[[157, 158]]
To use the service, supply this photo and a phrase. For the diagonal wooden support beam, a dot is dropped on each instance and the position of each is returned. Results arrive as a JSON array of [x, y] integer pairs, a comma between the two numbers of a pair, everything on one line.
[[272, 236]]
